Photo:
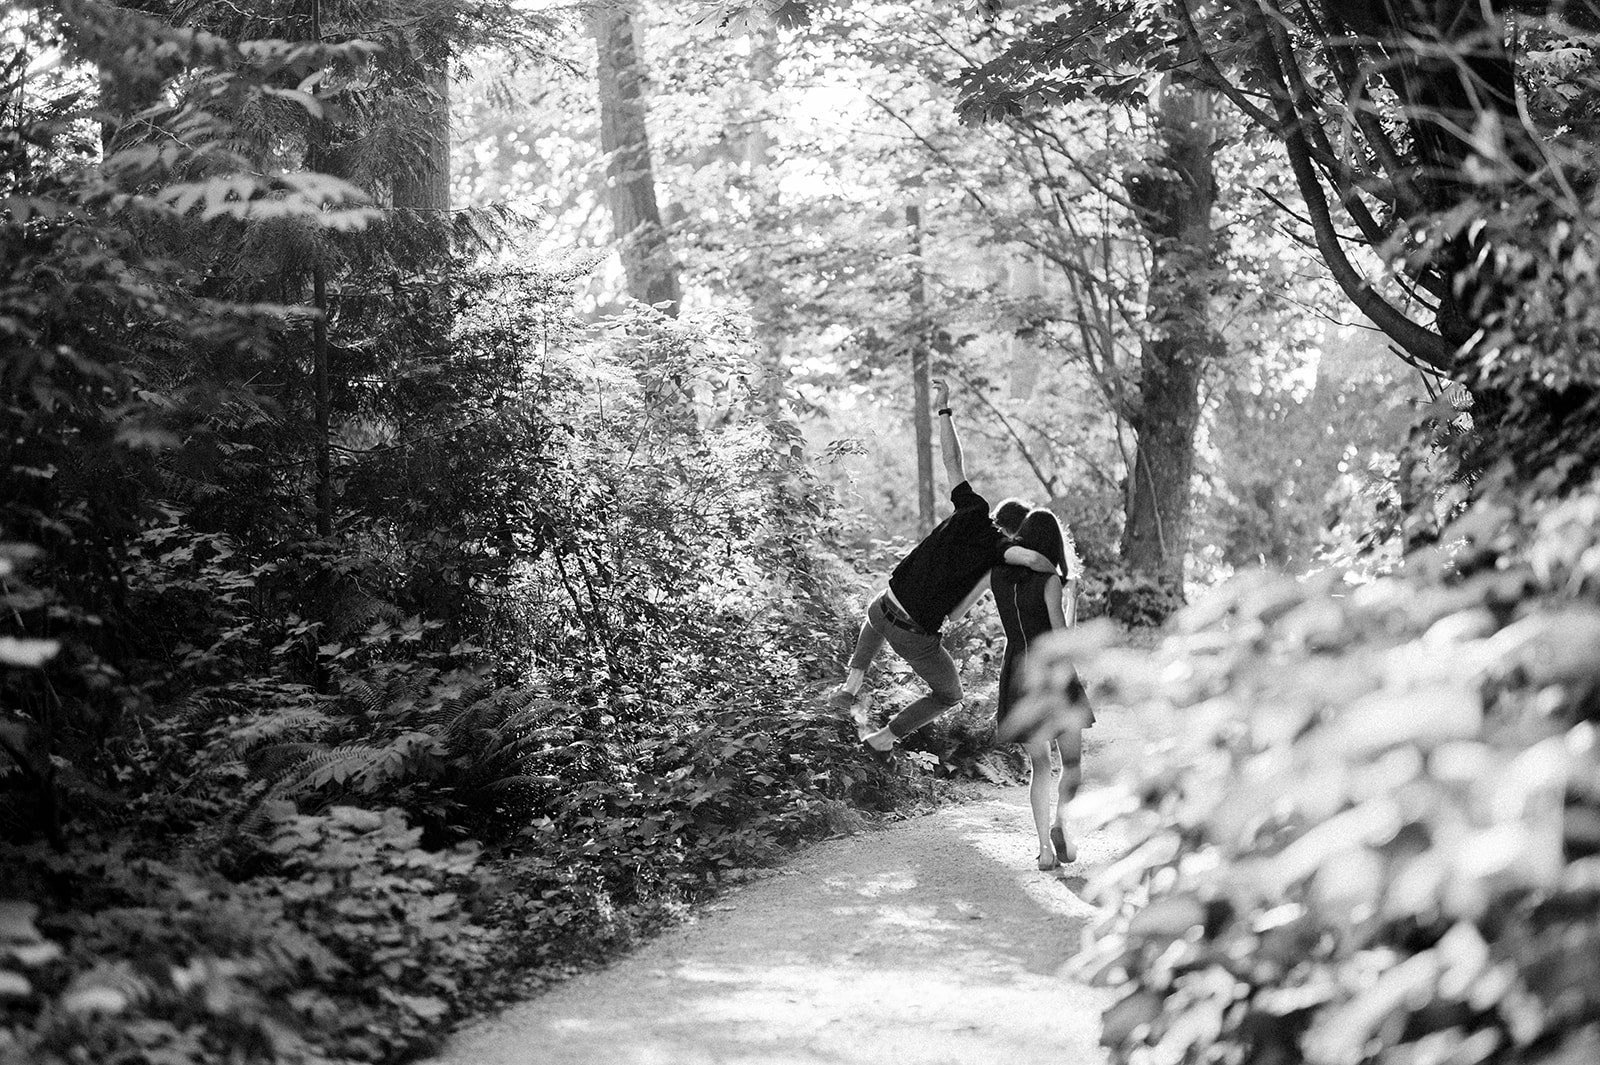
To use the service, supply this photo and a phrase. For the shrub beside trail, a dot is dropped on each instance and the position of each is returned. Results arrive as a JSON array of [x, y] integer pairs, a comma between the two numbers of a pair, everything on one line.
[[1378, 837], [322, 840]]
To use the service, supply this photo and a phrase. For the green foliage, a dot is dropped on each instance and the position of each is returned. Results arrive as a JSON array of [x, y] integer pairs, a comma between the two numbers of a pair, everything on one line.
[[1463, 155], [573, 598], [791, 192], [88, 315], [656, 587], [1373, 835], [388, 910], [1294, 463], [348, 946], [1534, 362], [1135, 599], [1096, 52]]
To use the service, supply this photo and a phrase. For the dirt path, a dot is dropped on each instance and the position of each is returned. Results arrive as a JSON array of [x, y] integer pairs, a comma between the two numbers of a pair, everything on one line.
[[931, 941]]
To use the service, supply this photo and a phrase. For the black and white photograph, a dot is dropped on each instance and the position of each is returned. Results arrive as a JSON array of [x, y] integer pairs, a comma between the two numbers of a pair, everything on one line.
[[800, 532]]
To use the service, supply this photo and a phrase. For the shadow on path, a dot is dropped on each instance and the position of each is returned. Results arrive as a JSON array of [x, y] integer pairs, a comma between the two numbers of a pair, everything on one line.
[[931, 941]]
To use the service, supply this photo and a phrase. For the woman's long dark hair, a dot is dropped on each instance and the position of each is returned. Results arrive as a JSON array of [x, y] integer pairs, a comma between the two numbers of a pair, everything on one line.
[[1041, 532]]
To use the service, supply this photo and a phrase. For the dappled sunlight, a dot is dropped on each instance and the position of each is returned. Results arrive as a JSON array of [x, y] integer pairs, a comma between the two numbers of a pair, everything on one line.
[[933, 941], [764, 1012], [1051, 892], [879, 884], [450, 447]]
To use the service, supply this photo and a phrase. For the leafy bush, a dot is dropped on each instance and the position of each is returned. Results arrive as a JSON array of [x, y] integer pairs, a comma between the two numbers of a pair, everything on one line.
[[658, 622], [392, 914], [1376, 840], [280, 663], [1137, 600], [665, 737], [350, 946]]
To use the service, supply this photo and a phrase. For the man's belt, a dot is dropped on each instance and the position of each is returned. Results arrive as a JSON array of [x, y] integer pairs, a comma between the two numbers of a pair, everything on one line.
[[900, 619]]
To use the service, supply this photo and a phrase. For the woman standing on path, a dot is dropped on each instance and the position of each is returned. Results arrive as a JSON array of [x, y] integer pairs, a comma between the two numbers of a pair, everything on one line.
[[1030, 604]]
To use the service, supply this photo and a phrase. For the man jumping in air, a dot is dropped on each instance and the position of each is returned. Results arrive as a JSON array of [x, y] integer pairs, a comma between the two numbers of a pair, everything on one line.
[[928, 584]]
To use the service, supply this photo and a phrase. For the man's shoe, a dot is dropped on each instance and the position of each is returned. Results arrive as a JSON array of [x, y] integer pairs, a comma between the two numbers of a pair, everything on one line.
[[881, 733]]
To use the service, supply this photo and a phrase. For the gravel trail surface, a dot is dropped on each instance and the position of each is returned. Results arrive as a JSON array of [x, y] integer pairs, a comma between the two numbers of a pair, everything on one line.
[[934, 940]]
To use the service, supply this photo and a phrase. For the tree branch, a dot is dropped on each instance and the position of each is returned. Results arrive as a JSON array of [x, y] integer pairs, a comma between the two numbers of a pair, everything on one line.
[[1216, 79], [1424, 344], [1046, 481]]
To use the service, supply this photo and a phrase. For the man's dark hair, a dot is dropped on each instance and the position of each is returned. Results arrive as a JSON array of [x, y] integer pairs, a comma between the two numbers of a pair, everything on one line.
[[1009, 514]]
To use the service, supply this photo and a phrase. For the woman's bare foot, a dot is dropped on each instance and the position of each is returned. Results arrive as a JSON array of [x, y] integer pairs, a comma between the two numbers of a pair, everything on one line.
[[1047, 861], [1066, 850]]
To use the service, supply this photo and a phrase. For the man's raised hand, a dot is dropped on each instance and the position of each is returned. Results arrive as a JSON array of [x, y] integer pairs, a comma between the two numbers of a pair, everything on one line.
[[941, 393]]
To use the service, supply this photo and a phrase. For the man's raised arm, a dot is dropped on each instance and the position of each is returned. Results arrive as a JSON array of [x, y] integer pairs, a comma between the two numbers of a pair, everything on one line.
[[955, 466]]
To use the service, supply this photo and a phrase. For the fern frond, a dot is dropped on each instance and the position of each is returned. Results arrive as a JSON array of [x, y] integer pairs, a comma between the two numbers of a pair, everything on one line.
[[529, 748], [276, 726], [339, 765], [255, 821], [368, 700], [538, 713], [181, 486], [203, 708], [520, 730], [521, 782], [456, 714], [355, 610], [477, 696], [405, 690], [275, 761]]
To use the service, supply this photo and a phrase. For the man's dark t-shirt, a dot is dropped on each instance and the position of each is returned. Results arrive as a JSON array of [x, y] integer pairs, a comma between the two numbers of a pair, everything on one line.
[[932, 580]]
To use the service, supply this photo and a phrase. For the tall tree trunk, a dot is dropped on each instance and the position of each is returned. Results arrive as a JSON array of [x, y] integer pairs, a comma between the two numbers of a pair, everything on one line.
[[1174, 199], [421, 191], [321, 374], [425, 184], [652, 275], [323, 390], [1024, 281], [763, 66], [767, 297], [921, 383], [122, 98], [321, 367]]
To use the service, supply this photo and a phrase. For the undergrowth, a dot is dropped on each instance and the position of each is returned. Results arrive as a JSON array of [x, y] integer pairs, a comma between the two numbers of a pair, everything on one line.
[[1376, 840]]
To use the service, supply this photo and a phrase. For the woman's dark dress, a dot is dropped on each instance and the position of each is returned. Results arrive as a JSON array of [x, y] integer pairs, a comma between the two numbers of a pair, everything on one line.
[[1019, 594]]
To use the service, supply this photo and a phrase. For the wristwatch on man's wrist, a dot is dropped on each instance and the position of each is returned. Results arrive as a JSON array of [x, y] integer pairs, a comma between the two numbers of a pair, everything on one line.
[[944, 412]]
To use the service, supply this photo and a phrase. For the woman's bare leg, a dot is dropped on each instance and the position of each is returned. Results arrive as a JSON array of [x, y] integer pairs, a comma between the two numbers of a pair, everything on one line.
[[1039, 798], [1070, 743]]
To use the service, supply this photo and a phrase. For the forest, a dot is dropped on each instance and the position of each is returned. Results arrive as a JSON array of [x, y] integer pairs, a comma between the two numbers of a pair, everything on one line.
[[448, 445]]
